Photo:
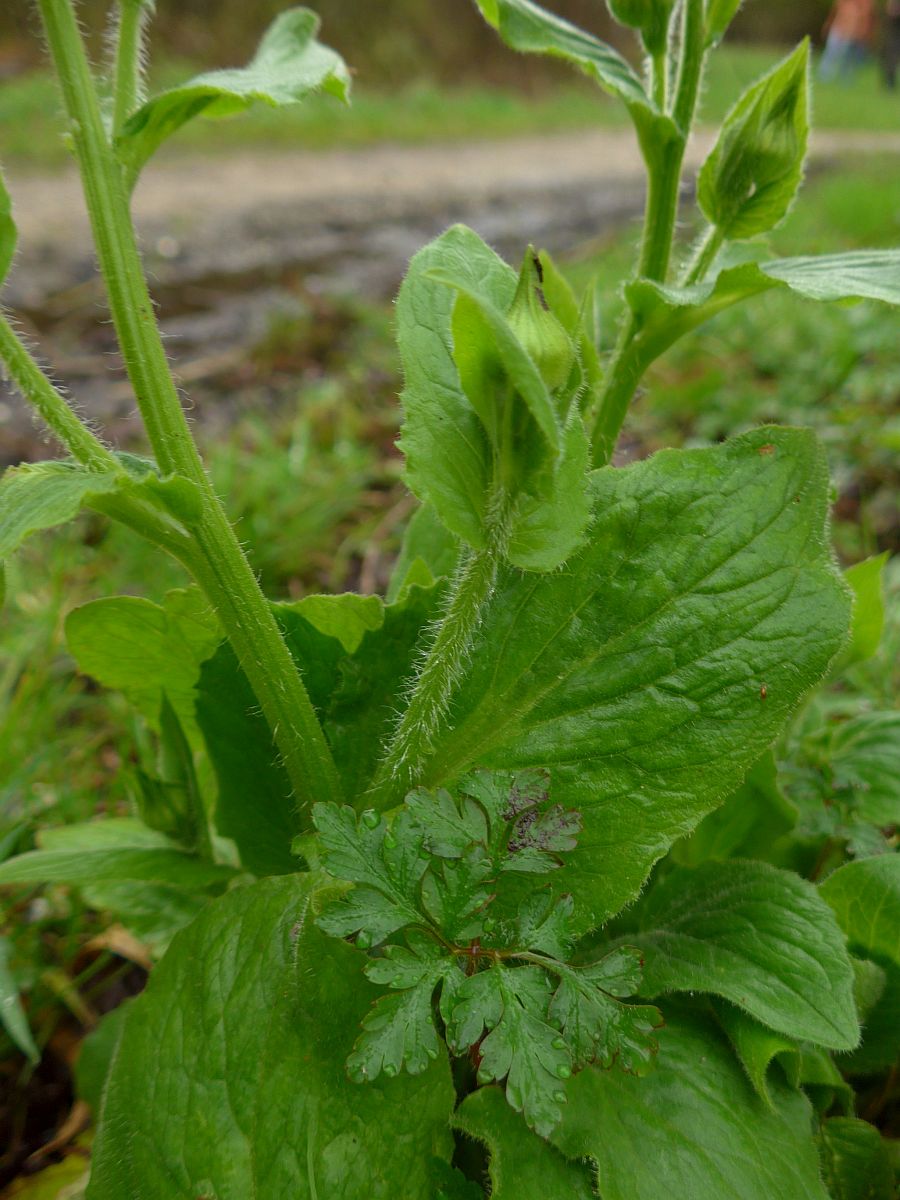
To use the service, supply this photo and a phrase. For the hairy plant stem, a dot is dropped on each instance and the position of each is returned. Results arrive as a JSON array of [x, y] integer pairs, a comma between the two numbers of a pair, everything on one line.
[[444, 664], [706, 250], [127, 72], [220, 566], [660, 216], [51, 405]]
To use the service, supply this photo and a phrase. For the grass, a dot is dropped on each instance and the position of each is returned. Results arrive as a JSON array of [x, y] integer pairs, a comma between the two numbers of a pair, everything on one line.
[[424, 113]]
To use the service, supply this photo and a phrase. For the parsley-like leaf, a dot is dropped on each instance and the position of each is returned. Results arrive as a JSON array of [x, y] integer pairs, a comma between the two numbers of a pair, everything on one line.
[[388, 863], [400, 1030], [520, 1047], [598, 1026]]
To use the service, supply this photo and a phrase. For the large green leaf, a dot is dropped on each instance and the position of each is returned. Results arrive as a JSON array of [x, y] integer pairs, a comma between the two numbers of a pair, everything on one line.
[[526, 27], [759, 937], [126, 863], [229, 1078], [39, 496], [523, 1165], [855, 1161], [255, 805], [859, 275], [692, 1128], [8, 233], [651, 673], [288, 66], [665, 314], [746, 825], [145, 650], [864, 759], [370, 687], [865, 896]]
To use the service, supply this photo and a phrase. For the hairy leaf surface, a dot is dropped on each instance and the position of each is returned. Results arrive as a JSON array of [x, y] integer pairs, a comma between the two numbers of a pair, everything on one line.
[[657, 667], [229, 1078], [692, 1128], [746, 825], [760, 937], [523, 1167], [38, 496], [289, 65], [526, 27]]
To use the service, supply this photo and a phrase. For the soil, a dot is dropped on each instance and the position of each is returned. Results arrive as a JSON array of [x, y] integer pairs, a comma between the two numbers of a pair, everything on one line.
[[228, 241]]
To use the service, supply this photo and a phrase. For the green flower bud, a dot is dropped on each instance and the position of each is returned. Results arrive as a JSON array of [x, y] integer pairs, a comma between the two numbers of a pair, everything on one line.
[[540, 333], [650, 17], [748, 182]]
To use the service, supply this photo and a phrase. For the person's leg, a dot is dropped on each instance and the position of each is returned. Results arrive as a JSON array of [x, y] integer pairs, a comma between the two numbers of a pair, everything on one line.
[[831, 64], [892, 52]]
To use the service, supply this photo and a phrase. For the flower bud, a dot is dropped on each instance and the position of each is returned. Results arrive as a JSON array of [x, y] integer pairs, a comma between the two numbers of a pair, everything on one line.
[[748, 182], [650, 17], [537, 329]]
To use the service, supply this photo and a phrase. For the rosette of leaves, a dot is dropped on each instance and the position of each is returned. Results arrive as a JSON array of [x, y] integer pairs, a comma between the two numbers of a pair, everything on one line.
[[471, 955]]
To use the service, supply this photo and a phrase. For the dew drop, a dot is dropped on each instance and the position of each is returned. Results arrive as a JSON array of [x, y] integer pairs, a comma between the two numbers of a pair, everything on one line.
[[389, 840], [563, 1071], [370, 818], [363, 939], [390, 1070], [559, 1044], [431, 1051], [560, 1097]]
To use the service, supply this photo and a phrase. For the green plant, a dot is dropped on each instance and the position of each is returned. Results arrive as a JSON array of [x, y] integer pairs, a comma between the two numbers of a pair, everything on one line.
[[415, 869]]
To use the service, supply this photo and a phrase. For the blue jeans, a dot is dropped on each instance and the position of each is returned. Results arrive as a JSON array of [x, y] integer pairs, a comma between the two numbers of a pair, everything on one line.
[[842, 57]]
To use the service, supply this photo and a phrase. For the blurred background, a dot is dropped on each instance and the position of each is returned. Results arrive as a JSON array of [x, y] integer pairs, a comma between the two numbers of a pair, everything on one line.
[[275, 243], [388, 42]]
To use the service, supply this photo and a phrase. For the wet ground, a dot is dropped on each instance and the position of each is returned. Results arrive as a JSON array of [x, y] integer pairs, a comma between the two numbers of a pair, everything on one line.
[[232, 243]]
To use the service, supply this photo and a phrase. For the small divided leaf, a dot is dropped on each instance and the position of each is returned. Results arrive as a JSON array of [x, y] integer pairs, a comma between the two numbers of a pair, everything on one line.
[[521, 1046], [400, 1030], [388, 863], [597, 1026]]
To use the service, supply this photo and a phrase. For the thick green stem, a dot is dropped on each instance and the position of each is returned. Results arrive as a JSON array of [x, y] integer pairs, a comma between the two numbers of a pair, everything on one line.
[[127, 72], [221, 567], [51, 405], [692, 55], [442, 670], [663, 187], [624, 371], [658, 79], [117, 252]]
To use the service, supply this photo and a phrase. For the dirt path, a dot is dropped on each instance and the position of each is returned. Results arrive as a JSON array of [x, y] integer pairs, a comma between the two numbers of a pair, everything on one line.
[[228, 240], [236, 214]]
